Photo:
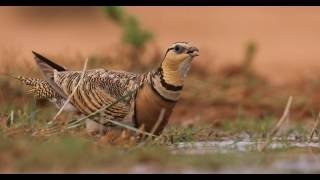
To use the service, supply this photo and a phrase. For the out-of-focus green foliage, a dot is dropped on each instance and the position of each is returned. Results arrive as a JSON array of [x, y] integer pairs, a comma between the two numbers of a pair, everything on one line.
[[132, 32], [251, 50], [115, 12]]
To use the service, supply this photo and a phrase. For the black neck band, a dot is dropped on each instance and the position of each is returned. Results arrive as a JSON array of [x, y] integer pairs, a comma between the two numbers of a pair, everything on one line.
[[167, 85]]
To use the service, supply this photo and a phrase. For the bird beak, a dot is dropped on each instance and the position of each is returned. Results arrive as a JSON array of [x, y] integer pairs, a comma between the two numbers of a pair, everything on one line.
[[193, 51]]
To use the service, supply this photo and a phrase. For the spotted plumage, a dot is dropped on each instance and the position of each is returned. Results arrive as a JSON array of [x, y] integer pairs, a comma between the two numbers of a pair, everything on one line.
[[39, 88], [153, 91]]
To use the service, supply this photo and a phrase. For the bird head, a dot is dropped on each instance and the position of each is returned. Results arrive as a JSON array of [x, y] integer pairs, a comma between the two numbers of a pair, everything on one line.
[[177, 61], [179, 52]]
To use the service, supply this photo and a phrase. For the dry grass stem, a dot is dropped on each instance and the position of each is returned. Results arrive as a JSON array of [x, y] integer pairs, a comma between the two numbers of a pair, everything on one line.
[[74, 90], [159, 121], [283, 119], [314, 129], [277, 127], [155, 127]]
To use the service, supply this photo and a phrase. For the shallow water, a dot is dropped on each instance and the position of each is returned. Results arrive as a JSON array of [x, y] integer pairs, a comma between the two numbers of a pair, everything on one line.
[[285, 161], [234, 146]]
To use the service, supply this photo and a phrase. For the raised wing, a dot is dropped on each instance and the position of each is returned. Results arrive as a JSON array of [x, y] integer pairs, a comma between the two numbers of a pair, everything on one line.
[[47, 69]]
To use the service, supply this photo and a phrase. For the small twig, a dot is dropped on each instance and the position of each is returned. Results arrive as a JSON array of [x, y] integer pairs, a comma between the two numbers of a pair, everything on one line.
[[279, 124], [154, 128], [11, 117], [74, 90], [159, 121], [131, 128], [284, 117], [156, 125], [314, 129]]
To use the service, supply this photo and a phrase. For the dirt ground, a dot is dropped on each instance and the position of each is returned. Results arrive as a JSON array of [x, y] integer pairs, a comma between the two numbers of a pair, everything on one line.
[[287, 37]]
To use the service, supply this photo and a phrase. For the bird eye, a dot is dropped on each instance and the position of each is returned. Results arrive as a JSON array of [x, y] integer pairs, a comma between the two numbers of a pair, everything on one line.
[[178, 49]]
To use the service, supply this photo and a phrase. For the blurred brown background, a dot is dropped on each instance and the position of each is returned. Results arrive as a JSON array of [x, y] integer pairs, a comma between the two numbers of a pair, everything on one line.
[[288, 38]]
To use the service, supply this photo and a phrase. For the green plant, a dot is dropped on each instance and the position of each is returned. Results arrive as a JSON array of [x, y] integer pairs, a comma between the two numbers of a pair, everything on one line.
[[251, 50], [116, 13], [132, 32]]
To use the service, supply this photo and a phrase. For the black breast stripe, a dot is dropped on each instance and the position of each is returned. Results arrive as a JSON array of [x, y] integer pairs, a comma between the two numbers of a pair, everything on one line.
[[170, 86], [155, 90], [166, 85]]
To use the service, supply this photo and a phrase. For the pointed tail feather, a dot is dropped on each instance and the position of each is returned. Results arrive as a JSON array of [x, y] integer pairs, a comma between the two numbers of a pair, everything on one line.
[[26, 81], [47, 62], [39, 88]]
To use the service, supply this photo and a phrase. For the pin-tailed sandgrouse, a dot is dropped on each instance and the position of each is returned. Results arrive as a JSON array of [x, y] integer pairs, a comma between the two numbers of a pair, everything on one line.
[[154, 91]]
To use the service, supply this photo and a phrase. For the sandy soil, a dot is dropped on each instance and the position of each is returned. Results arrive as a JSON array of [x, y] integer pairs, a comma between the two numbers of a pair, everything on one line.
[[288, 37]]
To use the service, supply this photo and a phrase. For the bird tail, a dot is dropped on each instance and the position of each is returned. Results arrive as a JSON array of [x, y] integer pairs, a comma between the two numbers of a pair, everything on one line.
[[41, 89]]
